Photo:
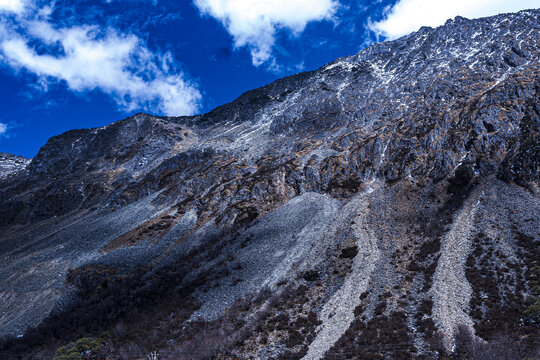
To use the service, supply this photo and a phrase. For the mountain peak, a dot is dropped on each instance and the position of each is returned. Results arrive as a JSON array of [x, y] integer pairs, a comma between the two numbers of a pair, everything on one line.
[[11, 164]]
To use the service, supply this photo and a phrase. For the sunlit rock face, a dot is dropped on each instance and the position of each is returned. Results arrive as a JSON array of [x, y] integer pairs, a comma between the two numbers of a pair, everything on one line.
[[375, 206]]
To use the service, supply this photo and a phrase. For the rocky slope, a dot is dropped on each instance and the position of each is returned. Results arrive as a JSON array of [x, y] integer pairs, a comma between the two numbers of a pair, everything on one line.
[[383, 206]]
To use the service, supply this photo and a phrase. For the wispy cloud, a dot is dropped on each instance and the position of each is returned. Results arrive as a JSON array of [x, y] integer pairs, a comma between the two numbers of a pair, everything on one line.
[[407, 16], [86, 58], [3, 129], [254, 23]]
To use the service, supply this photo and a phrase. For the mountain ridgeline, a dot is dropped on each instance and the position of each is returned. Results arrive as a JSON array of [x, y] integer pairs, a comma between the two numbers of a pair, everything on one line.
[[384, 206]]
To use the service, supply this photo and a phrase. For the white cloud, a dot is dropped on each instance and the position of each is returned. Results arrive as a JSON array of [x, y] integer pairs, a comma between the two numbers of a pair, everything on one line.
[[409, 15], [15, 6], [88, 58], [254, 23], [3, 128]]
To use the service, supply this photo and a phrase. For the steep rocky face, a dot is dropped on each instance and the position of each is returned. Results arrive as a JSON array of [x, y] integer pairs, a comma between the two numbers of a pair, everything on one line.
[[374, 208]]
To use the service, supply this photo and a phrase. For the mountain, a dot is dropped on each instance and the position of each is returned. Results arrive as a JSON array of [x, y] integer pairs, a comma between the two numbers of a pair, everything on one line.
[[386, 205]]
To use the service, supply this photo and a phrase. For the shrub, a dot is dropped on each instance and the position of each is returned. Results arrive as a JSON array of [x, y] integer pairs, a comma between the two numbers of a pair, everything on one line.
[[294, 338], [82, 347], [532, 313]]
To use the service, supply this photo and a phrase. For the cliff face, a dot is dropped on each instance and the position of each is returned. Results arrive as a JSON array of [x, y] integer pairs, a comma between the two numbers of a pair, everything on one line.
[[371, 207]]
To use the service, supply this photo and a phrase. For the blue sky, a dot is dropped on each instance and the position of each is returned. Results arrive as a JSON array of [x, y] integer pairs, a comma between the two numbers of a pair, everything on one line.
[[84, 63]]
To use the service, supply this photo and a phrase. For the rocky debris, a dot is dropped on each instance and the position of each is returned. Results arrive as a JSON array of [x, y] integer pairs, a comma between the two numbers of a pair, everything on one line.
[[338, 312], [241, 224], [268, 252], [451, 291]]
